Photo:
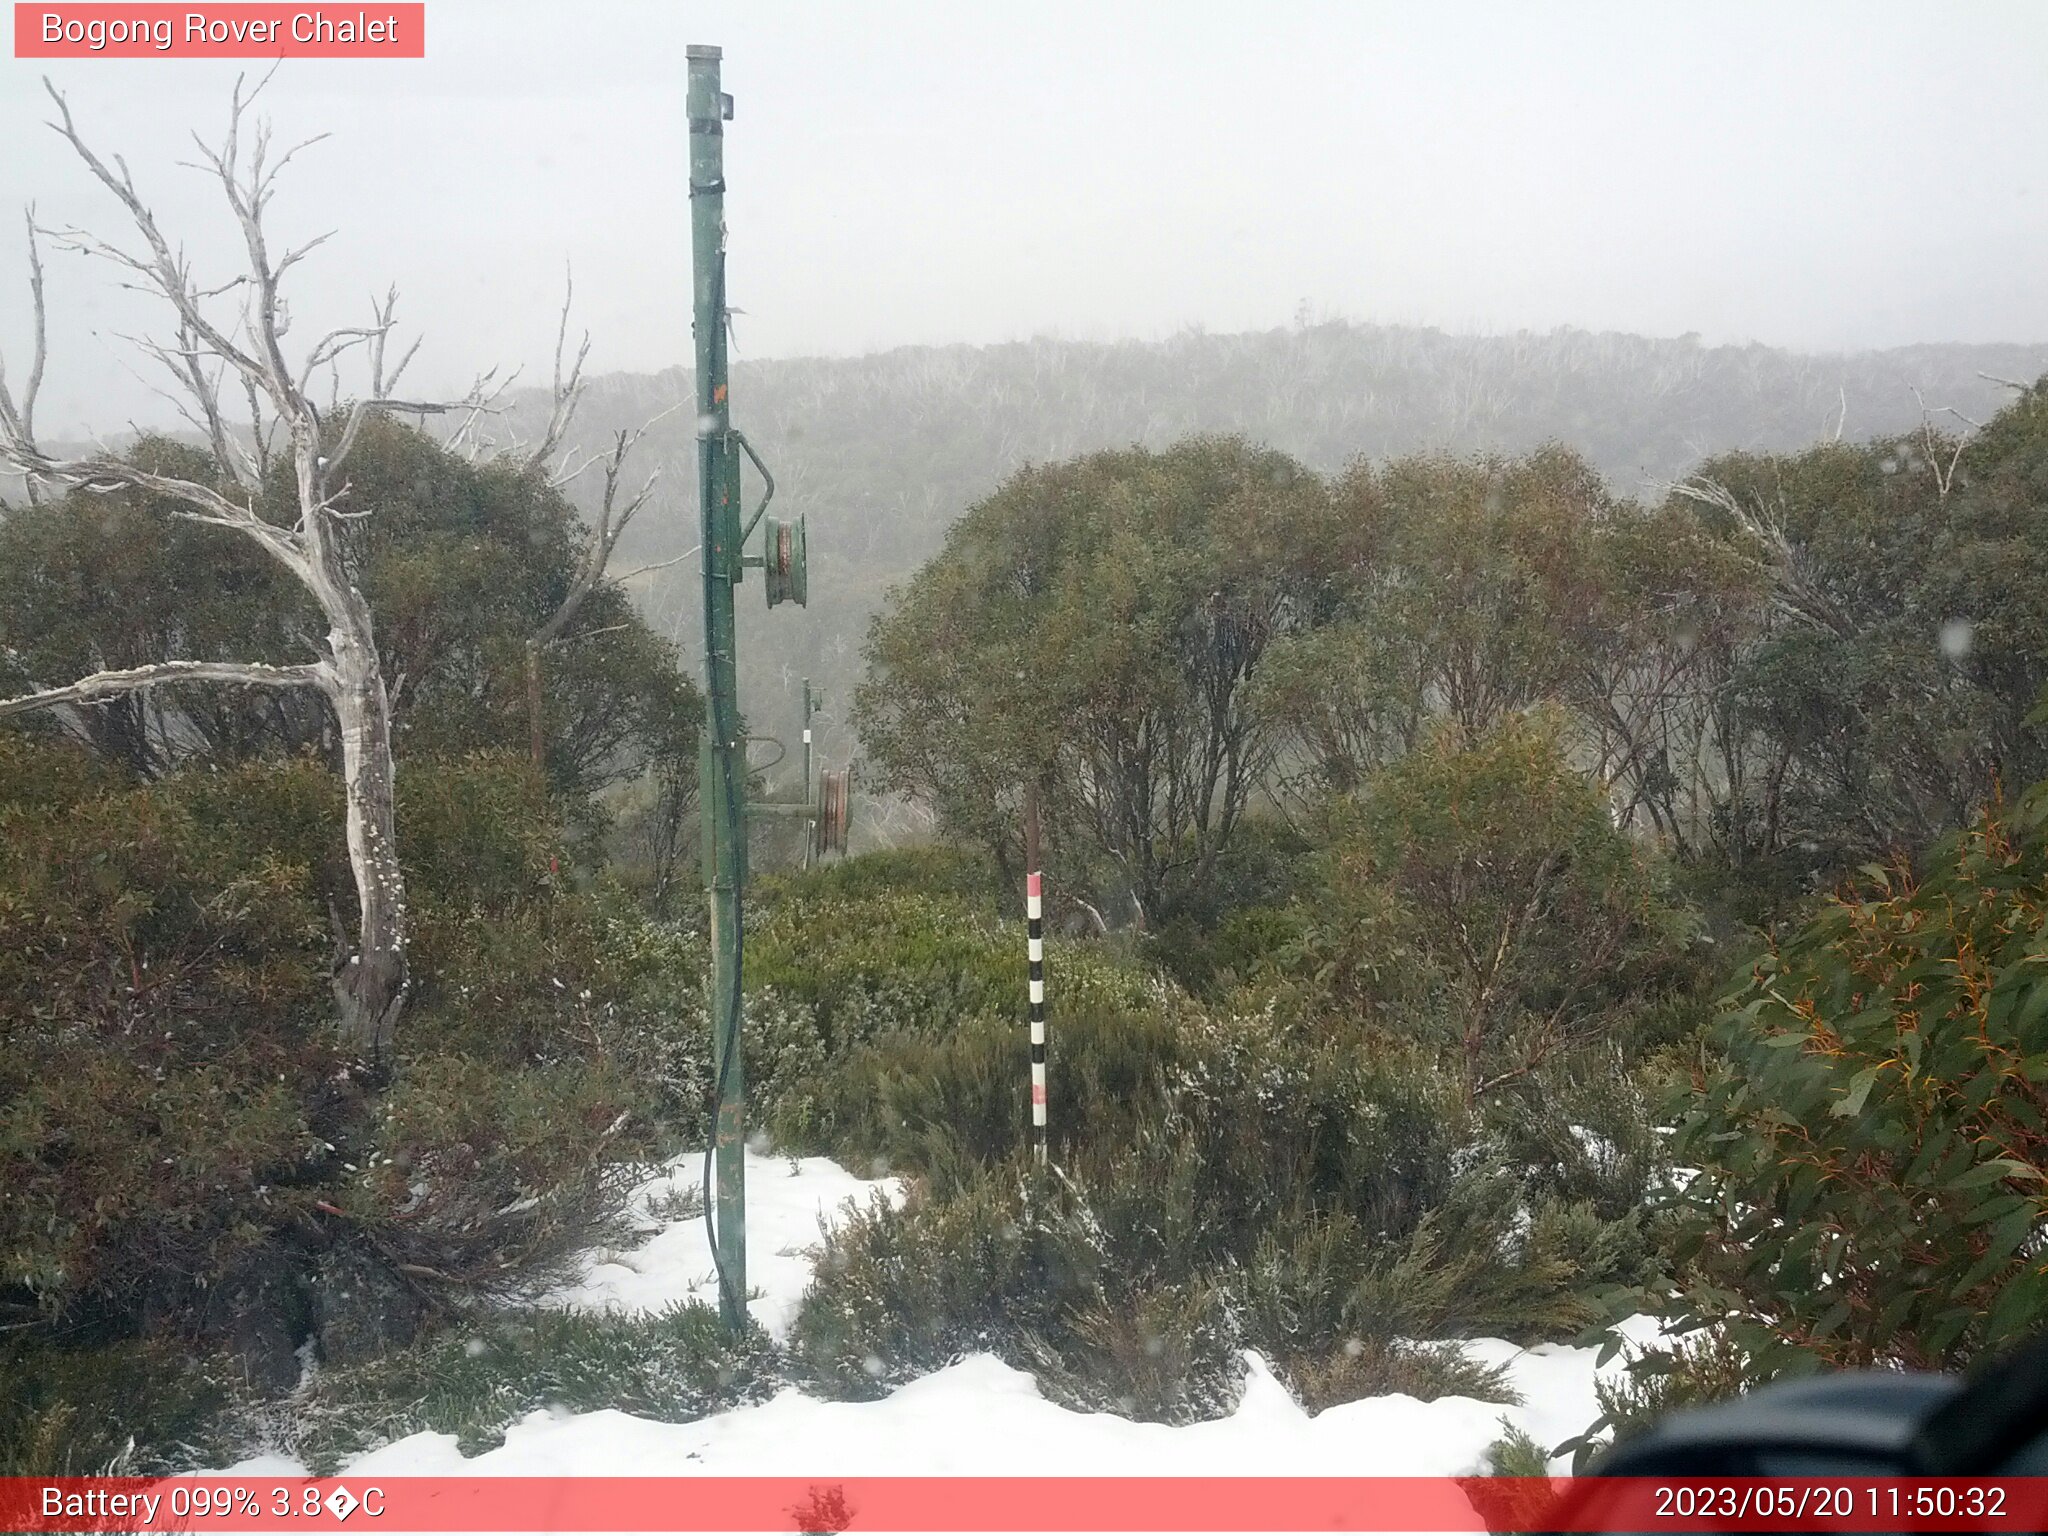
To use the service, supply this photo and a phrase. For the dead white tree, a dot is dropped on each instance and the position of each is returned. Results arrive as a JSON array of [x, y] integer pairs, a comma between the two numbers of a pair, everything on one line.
[[609, 524], [1796, 588], [230, 333], [1932, 442]]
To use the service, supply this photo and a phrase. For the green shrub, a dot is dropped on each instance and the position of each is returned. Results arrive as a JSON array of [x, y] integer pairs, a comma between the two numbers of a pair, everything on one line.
[[1490, 1261], [922, 1102], [1305, 1302], [900, 1292], [165, 1065], [1242, 945], [1359, 1368], [1279, 1115], [905, 961], [127, 1408], [576, 977], [1516, 1454], [1706, 1367], [1269, 1114], [960, 875], [1167, 1352], [1871, 1143], [1113, 1287], [1479, 899], [787, 1066], [475, 1380], [1587, 1137], [186, 1155], [479, 830], [39, 769], [1307, 1182], [491, 1180], [1233, 925], [1040, 1279]]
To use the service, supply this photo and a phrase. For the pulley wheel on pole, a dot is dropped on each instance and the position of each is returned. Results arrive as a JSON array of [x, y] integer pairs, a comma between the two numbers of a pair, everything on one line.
[[784, 562], [833, 787]]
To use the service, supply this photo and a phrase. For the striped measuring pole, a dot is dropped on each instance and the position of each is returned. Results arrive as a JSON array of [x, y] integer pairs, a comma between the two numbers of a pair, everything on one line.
[[1035, 920]]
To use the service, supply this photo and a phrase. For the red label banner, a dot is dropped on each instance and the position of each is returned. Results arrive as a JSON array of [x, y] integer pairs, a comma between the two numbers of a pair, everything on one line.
[[250, 31], [1053, 1504]]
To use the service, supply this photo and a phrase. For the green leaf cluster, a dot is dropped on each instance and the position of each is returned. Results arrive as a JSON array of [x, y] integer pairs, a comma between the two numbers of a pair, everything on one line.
[[1872, 1154]]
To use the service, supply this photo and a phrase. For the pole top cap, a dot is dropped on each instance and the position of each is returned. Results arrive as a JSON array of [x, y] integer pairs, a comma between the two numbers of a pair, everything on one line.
[[703, 51]]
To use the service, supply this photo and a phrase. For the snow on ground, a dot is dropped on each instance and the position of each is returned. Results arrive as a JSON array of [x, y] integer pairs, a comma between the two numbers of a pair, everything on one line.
[[787, 1199], [1556, 1382], [978, 1417]]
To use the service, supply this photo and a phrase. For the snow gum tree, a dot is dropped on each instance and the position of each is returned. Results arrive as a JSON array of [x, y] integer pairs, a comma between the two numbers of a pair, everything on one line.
[[1096, 626]]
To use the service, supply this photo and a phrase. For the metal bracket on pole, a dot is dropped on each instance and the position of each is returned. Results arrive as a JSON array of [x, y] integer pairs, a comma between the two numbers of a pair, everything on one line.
[[767, 483]]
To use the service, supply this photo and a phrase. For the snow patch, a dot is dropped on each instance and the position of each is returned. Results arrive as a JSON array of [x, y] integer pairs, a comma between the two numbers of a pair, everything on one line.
[[787, 1201], [977, 1417]]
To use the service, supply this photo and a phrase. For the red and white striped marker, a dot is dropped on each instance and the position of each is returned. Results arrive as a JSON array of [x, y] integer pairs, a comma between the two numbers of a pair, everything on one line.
[[1034, 916]]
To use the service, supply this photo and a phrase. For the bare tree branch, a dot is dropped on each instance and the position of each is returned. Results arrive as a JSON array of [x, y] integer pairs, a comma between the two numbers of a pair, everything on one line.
[[102, 686], [1797, 592], [659, 565], [167, 272], [483, 400], [185, 366], [612, 520], [37, 357], [566, 396], [1944, 477], [20, 418]]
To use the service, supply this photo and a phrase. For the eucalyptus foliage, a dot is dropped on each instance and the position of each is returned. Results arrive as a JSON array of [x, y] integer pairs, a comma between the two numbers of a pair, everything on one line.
[[1871, 1146]]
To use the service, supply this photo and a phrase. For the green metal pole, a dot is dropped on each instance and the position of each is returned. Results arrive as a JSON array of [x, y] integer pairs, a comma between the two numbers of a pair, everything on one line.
[[721, 776]]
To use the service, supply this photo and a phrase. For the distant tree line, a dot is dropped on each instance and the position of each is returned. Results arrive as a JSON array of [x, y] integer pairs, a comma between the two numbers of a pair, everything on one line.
[[1785, 666], [884, 451]]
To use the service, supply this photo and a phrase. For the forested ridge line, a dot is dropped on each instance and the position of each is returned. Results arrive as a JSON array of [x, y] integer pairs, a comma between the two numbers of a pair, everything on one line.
[[884, 451]]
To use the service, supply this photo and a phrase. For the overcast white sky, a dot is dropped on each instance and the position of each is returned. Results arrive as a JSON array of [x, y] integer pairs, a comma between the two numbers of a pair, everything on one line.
[[1805, 174]]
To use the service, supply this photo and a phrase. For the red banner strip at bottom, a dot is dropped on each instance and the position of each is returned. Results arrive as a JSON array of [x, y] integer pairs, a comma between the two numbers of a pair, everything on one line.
[[1053, 1504]]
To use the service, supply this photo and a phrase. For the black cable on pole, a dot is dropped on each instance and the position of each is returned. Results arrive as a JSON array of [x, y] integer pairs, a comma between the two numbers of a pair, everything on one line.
[[727, 1048], [727, 1044]]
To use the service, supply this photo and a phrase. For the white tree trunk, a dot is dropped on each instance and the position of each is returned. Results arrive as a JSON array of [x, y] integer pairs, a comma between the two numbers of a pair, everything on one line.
[[370, 987]]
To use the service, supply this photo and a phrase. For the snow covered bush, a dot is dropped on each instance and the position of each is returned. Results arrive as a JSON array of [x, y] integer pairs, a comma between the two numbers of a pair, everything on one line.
[[675, 1365], [1323, 1194], [1032, 1274], [1307, 1304], [488, 1180]]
